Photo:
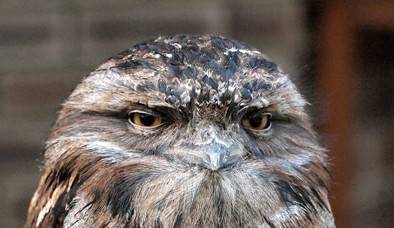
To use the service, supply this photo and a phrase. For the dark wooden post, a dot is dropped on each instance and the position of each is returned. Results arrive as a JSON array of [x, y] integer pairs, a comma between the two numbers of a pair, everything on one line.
[[335, 87]]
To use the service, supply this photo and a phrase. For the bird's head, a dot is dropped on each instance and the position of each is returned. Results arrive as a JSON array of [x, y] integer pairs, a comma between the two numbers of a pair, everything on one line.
[[190, 130]]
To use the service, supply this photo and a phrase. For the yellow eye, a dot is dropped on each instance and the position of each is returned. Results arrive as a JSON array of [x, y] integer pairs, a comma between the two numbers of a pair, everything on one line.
[[259, 121], [144, 119]]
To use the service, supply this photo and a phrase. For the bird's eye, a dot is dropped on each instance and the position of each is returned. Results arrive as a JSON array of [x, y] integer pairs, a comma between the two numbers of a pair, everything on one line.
[[144, 119], [257, 121]]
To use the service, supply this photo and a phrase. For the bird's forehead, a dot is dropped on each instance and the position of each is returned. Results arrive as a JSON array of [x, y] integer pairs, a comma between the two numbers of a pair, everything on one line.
[[205, 69]]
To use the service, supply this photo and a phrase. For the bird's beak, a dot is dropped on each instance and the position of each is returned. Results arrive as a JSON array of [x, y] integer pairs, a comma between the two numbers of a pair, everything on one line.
[[216, 155], [207, 147], [212, 155]]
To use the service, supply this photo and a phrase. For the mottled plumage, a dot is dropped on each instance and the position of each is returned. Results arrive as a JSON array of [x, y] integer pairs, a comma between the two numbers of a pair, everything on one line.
[[201, 167]]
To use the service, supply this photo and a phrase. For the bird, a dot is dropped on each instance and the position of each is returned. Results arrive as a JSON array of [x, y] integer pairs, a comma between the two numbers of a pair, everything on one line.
[[184, 131]]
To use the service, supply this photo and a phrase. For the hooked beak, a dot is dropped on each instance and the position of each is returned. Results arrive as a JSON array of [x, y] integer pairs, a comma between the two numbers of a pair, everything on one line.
[[213, 156], [218, 156]]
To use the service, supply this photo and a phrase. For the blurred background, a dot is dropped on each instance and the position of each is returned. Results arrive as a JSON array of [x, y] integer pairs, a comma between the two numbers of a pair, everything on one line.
[[340, 53]]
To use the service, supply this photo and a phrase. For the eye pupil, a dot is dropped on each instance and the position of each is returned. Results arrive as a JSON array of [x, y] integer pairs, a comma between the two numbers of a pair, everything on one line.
[[255, 122], [146, 119]]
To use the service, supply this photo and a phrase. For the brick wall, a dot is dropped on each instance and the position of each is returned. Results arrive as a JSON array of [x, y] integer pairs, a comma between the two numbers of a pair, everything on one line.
[[47, 46]]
